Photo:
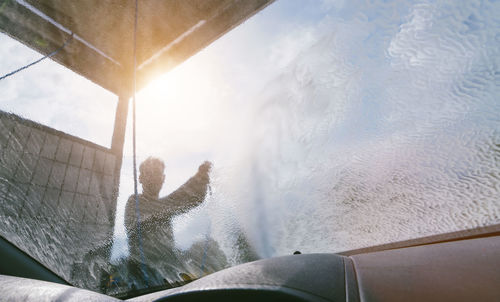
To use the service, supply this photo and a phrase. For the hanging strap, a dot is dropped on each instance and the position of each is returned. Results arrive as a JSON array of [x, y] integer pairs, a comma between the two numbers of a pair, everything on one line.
[[39, 60]]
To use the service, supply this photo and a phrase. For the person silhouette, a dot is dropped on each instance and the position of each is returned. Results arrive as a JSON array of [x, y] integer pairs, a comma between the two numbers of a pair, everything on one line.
[[152, 208], [151, 178], [153, 234]]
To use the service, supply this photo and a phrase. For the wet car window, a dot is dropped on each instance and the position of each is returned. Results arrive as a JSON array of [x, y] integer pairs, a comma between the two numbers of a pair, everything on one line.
[[313, 126]]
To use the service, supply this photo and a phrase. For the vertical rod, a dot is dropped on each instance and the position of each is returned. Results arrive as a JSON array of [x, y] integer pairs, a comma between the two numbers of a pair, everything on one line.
[[136, 193]]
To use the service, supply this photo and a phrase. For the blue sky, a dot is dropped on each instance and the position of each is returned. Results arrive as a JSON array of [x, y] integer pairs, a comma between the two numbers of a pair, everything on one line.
[[53, 95]]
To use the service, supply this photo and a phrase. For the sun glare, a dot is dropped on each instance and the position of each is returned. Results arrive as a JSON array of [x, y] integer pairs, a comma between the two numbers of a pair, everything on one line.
[[180, 117]]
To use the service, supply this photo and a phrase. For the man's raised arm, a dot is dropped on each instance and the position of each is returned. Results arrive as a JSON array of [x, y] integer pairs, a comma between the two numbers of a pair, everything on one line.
[[191, 193]]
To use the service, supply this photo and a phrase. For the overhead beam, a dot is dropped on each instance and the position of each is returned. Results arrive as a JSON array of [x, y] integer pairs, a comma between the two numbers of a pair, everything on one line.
[[37, 33], [101, 50]]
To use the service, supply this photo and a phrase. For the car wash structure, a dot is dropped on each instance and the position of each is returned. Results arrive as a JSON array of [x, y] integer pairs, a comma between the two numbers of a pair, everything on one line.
[[58, 192]]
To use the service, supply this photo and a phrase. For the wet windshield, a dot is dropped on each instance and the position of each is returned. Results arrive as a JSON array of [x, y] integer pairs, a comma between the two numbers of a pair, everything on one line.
[[313, 126]]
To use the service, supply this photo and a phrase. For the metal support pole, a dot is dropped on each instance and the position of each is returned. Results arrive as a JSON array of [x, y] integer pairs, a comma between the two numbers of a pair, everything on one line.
[[120, 126]]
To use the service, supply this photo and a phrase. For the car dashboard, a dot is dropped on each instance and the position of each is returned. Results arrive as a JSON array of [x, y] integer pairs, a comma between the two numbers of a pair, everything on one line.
[[462, 270]]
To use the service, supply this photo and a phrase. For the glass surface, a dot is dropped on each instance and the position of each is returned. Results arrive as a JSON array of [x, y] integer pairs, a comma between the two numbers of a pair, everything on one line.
[[53, 95], [318, 126]]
